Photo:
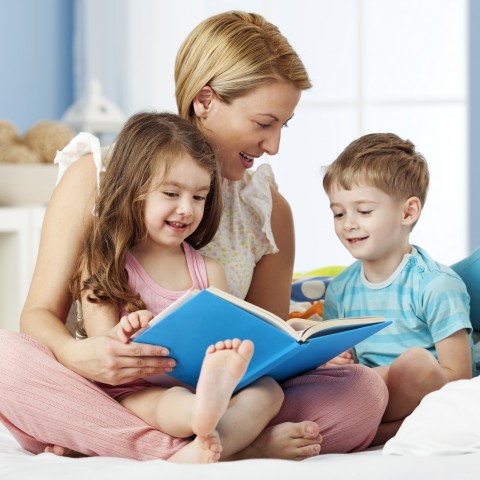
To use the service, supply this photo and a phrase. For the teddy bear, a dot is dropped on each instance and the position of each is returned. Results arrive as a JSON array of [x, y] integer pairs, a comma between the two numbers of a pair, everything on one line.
[[39, 144]]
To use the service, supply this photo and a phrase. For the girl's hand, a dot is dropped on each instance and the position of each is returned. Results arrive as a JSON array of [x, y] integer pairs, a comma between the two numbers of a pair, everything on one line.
[[132, 323], [345, 358], [106, 359]]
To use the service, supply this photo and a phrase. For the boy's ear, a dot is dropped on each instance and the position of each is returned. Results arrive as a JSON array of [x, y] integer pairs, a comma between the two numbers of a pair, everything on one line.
[[411, 210], [203, 101]]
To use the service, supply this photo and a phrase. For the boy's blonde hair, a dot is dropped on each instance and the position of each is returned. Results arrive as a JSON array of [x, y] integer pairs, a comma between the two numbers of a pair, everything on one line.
[[384, 161], [233, 53]]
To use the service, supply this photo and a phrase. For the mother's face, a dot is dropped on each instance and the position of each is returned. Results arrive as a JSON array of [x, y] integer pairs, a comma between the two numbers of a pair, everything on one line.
[[248, 127]]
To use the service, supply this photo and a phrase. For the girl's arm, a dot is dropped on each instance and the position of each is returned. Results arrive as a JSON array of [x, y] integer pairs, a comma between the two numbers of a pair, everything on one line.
[[215, 274], [98, 318], [454, 355], [103, 358], [272, 277]]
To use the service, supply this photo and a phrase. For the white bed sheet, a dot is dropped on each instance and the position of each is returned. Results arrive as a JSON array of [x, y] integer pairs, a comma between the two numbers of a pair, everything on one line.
[[17, 464]]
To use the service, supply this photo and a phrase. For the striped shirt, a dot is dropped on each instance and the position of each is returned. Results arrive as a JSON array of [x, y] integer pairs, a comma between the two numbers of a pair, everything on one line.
[[426, 301]]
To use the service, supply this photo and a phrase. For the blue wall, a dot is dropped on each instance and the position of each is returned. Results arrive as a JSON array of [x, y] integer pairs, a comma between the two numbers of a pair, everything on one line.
[[36, 79], [474, 122]]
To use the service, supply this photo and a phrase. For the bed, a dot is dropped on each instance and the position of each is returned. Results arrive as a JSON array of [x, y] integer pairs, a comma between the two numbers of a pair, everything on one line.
[[439, 440], [16, 463]]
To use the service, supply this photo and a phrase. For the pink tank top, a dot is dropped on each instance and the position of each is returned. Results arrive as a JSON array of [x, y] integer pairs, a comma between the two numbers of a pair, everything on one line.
[[157, 298]]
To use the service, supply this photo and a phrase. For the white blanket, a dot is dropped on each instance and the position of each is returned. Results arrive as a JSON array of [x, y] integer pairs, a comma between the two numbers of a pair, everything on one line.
[[17, 464], [447, 422]]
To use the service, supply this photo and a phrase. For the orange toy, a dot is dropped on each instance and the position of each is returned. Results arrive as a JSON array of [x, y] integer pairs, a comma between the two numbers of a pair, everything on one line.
[[316, 308]]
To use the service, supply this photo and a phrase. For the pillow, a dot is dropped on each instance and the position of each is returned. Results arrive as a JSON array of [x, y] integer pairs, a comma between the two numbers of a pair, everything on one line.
[[469, 271], [311, 286], [447, 422]]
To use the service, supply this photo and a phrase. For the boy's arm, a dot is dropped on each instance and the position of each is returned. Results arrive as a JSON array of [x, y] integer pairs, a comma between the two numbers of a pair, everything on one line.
[[455, 356], [445, 304]]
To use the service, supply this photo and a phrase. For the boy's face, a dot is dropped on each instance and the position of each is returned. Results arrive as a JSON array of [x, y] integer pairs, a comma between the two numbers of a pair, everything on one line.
[[370, 223]]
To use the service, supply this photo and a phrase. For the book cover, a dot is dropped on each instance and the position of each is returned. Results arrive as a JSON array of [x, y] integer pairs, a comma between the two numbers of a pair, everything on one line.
[[199, 319]]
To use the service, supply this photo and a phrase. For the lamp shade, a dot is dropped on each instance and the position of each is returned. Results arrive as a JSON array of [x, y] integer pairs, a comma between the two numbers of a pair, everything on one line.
[[94, 113]]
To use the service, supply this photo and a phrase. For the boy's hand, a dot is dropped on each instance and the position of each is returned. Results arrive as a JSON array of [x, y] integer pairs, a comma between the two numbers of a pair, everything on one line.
[[131, 323], [345, 358]]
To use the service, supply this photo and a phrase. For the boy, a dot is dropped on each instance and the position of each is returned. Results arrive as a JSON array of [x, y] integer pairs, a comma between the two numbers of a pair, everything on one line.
[[377, 187]]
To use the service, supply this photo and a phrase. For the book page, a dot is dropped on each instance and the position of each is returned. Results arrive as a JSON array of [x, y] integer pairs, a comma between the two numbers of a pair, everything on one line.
[[326, 327], [257, 311]]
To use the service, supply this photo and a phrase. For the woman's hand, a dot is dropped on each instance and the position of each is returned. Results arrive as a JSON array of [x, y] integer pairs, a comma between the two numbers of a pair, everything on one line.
[[106, 359]]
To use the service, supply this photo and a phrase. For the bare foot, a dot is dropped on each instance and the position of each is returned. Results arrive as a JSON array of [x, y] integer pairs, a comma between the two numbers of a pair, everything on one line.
[[62, 451], [224, 365], [288, 441], [204, 449]]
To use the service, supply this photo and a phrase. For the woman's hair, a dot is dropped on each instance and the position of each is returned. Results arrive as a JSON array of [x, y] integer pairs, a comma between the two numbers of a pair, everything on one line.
[[233, 53], [148, 144], [384, 161]]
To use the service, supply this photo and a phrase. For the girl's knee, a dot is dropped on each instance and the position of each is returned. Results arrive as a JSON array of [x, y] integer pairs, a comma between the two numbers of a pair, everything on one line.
[[269, 393]]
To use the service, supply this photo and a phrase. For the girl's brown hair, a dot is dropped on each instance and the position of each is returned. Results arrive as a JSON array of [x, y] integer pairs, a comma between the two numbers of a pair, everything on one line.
[[148, 143]]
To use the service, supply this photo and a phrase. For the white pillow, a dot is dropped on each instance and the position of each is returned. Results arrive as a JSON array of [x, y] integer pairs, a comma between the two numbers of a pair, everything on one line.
[[447, 422]]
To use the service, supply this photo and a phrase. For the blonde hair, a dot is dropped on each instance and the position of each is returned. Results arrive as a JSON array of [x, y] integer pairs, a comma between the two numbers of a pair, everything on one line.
[[233, 53], [384, 161], [148, 143]]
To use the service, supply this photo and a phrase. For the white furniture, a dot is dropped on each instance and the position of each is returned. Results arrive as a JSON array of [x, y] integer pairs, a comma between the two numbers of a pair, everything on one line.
[[20, 228]]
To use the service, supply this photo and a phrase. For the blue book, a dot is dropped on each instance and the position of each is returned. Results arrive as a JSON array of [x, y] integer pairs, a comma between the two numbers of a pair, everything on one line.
[[201, 318]]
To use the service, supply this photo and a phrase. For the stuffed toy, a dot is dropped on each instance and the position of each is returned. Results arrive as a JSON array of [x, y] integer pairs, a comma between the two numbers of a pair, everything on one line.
[[39, 144], [8, 133]]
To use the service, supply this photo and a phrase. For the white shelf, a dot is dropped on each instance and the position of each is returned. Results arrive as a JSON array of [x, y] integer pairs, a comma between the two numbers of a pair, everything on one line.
[[20, 229]]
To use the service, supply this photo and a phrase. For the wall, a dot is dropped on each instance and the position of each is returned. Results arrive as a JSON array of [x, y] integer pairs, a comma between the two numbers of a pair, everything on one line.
[[474, 122], [36, 60]]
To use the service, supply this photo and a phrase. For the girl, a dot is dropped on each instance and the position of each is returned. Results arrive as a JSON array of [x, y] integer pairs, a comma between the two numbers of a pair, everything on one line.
[[159, 200]]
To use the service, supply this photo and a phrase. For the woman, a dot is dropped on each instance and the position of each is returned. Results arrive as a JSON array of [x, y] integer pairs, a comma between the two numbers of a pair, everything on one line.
[[239, 80]]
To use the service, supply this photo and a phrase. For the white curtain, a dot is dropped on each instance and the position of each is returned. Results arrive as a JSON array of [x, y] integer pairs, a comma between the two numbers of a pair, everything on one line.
[[377, 65]]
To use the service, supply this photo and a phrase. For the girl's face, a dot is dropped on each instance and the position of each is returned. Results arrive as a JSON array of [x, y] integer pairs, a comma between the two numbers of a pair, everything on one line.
[[248, 127], [370, 224], [175, 206]]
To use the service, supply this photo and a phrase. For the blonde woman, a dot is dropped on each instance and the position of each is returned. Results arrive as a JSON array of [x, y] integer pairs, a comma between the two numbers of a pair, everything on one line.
[[239, 80]]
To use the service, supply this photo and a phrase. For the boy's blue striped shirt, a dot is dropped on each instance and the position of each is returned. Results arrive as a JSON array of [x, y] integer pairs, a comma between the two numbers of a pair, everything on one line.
[[426, 301]]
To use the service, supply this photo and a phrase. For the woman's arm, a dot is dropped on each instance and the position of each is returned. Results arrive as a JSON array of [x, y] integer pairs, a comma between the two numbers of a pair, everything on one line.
[[104, 358], [272, 277], [68, 214]]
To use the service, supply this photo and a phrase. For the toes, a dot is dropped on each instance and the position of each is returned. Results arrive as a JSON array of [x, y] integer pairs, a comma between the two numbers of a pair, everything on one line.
[[308, 430], [308, 451], [245, 350]]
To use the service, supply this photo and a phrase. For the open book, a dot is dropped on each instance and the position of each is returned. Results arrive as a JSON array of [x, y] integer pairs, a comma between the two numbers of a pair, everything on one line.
[[282, 349]]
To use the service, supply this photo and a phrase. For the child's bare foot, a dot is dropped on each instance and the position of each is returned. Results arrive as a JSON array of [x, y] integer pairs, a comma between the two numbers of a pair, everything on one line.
[[204, 449], [62, 451], [224, 365], [288, 441]]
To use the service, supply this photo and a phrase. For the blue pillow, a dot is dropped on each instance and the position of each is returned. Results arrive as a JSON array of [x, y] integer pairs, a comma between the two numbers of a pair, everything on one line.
[[469, 271], [309, 289]]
